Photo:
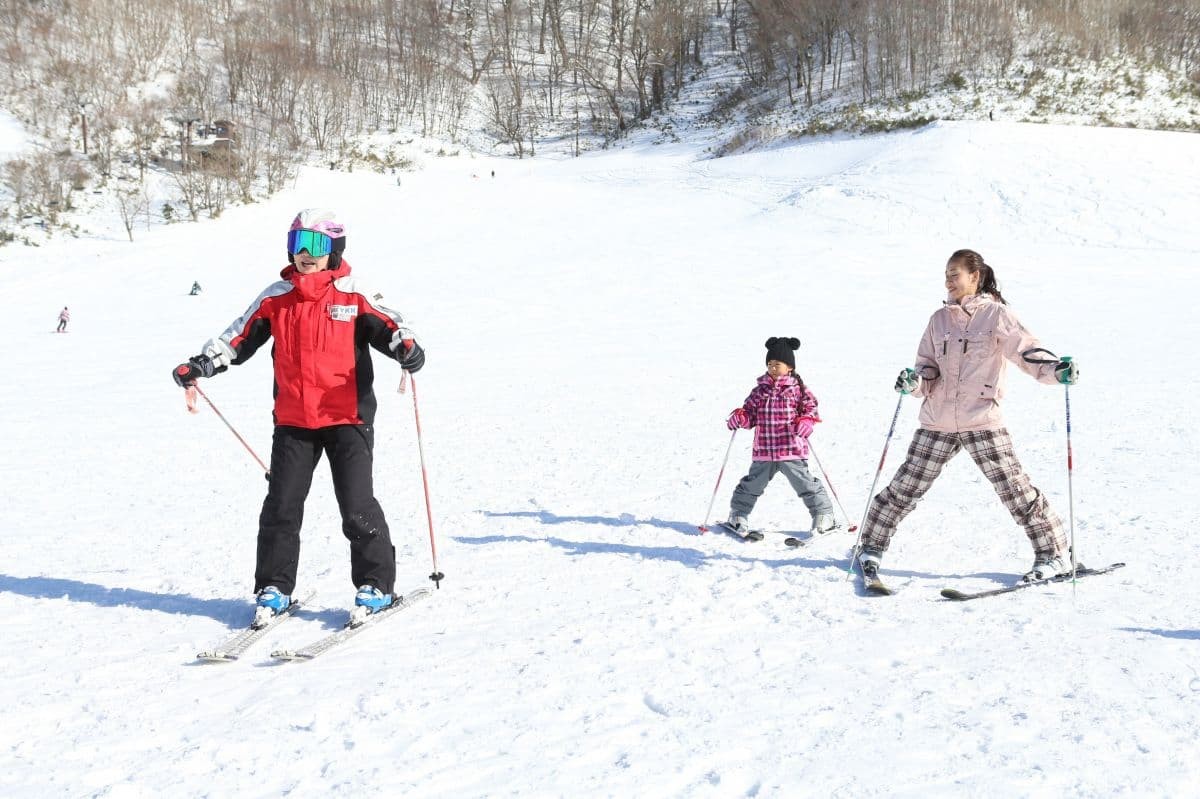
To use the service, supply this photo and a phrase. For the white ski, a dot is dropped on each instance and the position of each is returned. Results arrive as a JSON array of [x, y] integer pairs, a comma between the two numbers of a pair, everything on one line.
[[232, 649], [322, 645]]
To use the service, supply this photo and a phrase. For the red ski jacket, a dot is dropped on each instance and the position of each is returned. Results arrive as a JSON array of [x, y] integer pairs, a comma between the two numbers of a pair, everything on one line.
[[322, 324]]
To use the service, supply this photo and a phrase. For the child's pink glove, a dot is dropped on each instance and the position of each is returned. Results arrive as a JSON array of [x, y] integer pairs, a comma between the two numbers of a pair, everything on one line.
[[804, 425], [737, 419]]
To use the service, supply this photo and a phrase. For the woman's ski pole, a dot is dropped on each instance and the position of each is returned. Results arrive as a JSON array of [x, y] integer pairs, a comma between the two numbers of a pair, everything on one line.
[[852, 527], [1027, 356], [704, 527], [871, 493], [437, 575], [1070, 487], [191, 407]]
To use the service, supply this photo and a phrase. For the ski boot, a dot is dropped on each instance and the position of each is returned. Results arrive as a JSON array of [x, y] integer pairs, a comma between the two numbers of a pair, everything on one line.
[[368, 600], [269, 603]]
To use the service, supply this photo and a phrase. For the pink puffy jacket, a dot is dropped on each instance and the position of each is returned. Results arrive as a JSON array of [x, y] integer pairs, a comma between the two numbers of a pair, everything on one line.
[[961, 361], [772, 409]]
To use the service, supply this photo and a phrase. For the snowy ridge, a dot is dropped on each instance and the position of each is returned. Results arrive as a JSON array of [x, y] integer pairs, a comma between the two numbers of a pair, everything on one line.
[[589, 324]]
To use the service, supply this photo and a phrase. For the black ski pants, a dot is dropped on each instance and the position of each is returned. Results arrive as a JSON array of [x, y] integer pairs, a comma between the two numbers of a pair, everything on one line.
[[295, 453]]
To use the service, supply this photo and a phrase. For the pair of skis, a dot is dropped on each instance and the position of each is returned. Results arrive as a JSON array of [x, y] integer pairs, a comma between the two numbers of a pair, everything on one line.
[[876, 587], [757, 534], [232, 649]]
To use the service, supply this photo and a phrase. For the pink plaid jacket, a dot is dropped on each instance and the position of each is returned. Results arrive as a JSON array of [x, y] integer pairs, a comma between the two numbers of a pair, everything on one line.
[[771, 409]]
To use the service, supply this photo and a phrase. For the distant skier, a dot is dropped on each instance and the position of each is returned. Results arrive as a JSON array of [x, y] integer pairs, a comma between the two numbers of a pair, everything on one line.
[[959, 375], [64, 316], [195, 288], [782, 411], [322, 320]]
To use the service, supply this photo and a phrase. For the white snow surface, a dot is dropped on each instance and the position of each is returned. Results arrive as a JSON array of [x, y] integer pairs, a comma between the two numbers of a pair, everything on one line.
[[13, 138], [589, 324]]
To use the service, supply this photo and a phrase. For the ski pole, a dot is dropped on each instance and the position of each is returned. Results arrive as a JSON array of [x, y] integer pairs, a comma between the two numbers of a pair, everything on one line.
[[266, 471], [871, 493], [1070, 487], [720, 474], [852, 527], [1027, 356], [437, 576]]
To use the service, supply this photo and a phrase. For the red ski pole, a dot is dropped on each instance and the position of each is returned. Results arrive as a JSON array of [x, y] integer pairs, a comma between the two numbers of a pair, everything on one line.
[[266, 471], [437, 576]]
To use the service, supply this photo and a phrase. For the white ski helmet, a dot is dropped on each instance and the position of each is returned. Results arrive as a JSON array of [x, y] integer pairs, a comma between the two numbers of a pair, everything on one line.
[[322, 220]]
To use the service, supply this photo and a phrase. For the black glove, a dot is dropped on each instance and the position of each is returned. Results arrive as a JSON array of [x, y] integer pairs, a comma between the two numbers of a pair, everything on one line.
[[197, 366], [410, 355]]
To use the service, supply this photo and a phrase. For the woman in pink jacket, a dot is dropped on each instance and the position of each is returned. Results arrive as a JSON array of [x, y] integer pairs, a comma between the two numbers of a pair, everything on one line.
[[959, 374]]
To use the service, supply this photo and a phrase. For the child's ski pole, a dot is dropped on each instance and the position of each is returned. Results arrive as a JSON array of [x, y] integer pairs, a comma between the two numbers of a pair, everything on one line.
[[437, 576], [191, 407], [708, 513], [851, 527]]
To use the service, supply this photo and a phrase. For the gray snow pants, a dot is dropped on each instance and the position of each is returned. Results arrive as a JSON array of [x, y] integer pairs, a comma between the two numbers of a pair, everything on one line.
[[807, 487]]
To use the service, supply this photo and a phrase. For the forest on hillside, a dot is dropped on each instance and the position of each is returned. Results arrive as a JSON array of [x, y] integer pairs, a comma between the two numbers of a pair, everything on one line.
[[122, 86]]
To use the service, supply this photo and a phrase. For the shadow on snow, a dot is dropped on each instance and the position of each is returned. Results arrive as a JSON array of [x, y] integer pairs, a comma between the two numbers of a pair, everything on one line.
[[688, 556], [692, 558], [229, 611], [624, 520], [1186, 635]]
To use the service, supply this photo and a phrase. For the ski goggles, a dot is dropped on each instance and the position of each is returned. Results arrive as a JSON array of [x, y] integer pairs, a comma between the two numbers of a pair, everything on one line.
[[317, 244]]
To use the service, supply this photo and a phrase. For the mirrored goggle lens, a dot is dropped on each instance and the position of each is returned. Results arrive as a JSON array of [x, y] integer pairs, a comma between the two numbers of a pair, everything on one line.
[[317, 244]]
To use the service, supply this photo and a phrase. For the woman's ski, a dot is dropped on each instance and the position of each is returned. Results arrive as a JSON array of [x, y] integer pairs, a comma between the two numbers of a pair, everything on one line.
[[1082, 571]]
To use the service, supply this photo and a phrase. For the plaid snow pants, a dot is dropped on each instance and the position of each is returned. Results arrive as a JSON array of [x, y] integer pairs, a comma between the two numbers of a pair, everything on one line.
[[992, 452]]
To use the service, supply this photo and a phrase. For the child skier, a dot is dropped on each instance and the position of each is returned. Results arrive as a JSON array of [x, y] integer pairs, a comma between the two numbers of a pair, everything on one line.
[[322, 321], [64, 316], [782, 411]]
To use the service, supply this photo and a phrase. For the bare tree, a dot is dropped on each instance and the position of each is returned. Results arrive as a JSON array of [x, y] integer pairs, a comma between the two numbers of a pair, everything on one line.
[[16, 176], [131, 200]]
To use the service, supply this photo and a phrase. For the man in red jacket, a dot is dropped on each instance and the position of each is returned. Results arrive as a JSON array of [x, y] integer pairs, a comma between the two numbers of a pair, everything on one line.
[[322, 321]]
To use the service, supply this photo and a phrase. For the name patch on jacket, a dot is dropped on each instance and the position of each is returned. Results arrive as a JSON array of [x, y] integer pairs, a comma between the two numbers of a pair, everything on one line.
[[343, 313]]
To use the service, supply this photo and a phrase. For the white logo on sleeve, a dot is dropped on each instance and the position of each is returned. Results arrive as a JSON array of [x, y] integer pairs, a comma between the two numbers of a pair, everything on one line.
[[343, 313]]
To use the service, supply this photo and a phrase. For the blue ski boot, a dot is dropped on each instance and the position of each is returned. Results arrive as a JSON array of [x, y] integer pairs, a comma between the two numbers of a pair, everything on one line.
[[269, 603], [368, 600], [371, 598]]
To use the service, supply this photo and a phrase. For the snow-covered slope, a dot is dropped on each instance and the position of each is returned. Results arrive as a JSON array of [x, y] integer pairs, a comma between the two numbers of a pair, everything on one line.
[[589, 324]]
